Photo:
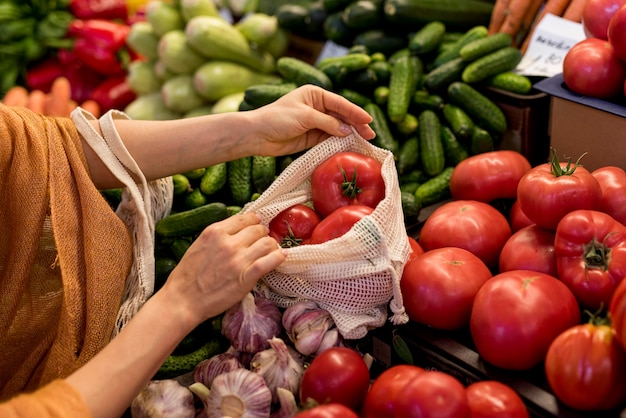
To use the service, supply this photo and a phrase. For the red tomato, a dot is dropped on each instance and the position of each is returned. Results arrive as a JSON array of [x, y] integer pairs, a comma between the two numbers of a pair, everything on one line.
[[493, 399], [331, 410], [617, 310], [415, 248], [517, 314], [585, 368], [380, 401], [439, 286], [475, 226], [517, 218], [336, 375], [488, 176], [590, 250], [613, 184], [432, 394], [596, 17], [549, 191], [339, 222], [591, 68], [346, 178], [617, 33], [294, 225], [530, 248]]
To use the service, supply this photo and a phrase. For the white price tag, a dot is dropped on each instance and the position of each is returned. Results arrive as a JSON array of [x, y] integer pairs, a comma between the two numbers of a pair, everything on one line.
[[551, 40]]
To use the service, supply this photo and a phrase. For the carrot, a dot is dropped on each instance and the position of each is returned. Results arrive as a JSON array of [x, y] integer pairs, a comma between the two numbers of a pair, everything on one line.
[[91, 106], [515, 16], [527, 21], [58, 100], [498, 14], [574, 11], [37, 101], [16, 96], [555, 7]]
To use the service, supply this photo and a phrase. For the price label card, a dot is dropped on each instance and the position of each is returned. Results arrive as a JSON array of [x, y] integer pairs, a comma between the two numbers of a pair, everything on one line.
[[551, 40]]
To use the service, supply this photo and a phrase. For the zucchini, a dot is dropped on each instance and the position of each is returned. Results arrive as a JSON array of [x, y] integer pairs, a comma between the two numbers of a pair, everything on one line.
[[454, 50], [428, 38], [402, 85], [301, 72], [456, 15], [483, 111], [259, 95], [218, 78], [511, 82], [484, 46], [384, 138], [430, 145], [440, 77], [459, 121], [191, 221], [504, 59], [435, 189]]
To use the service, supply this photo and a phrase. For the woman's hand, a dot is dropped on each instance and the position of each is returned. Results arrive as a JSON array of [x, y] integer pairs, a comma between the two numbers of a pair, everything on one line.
[[222, 265], [305, 117]]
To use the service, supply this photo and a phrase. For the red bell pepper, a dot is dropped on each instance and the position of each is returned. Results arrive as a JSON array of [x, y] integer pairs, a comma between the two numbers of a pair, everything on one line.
[[113, 93], [99, 9], [42, 75]]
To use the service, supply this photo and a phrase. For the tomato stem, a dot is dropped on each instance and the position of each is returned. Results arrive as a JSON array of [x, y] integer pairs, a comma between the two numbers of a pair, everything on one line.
[[557, 170], [349, 187], [596, 255], [290, 240]]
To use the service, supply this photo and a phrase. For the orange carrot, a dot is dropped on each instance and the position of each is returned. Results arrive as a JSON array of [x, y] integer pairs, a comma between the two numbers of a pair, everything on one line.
[[58, 100], [555, 7], [574, 11], [515, 16], [37, 101], [91, 106], [498, 14], [16, 96], [527, 22]]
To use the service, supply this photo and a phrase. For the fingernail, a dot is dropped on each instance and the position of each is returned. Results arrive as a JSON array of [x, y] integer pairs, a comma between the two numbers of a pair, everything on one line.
[[345, 128]]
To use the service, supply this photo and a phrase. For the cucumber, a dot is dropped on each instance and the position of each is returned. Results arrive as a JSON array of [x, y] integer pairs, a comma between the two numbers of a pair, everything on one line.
[[503, 59], [457, 15], [408, 155], [453, 150], [179, 247], [423, 100], [428, 38], [435, 189], [415, 176], [214, 179], [411, 206], [336, 30], [381, 95], [511, 82], [301, 72], [484, 46], [163, 266], [259, 95], [195, 174], [408, 125], [291, 16], [477, 32], [379, 40], [402, 85], [191, 221], [263, 171], [409, 187], [483, 111], [481, 141], [337, 67], [431, 147], [382, 70], [440, 77], [334, 5], [362, 14], [195, 199], [216, 39], [459, 121], [240, 180], [384, 138], [177, 365], [355, 97]]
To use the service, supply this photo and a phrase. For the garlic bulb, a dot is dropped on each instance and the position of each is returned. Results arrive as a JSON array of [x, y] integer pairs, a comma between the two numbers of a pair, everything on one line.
[[294, 311], [280, 365], [288, 404], [208, 369], [250, 323], [332, 338], [308, 330], [238, 394], [163, 398]]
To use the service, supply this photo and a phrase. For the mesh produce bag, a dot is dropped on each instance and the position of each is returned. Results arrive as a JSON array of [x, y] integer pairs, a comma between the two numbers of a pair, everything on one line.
[[355, 276]]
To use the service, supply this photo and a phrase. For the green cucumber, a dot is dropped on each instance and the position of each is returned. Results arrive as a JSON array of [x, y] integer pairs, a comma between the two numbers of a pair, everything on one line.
[[362, 14], [335, 66], [503, 59], [177, 365], [195, 199], [428, 38], [214, 179], [191, 221], [440, 77], [263, 171], [182, 185], [179, 247], [355, 97], [411, 206], [511, 82], [453, 149], [384, 138], [163, 266], [408, 155], [402, 86], [458, 120], [477, 32], [379, 40], [240, 180], [431, 147], [484, 46], [422, 100], [408, 125], [301, 72], [483, 111], [381, 95], [259, 95], [435, 189], [336, 30], [481, 141]]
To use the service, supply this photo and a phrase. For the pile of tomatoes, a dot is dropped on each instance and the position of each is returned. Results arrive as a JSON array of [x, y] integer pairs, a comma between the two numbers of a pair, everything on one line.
[[344, 188], [596, 66], [539, 285]]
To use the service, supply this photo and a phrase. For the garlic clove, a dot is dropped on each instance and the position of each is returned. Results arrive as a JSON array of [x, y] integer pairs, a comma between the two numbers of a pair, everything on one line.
[[208, 369], [332, 338], [163, 398], [309, 329], [239, 394], [288, 404], [291, 314]]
